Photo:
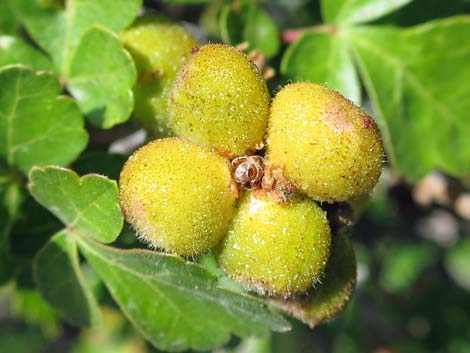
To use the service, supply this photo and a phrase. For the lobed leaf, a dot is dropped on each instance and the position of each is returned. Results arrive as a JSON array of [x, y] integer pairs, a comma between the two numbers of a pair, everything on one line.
[[420, 92], [87, 205], [177, 305], [102, 75], [59, 30], [36, 126], [249, 23], [58, 277], [358, 11], [9, 24], [323, 58], [14, 50]]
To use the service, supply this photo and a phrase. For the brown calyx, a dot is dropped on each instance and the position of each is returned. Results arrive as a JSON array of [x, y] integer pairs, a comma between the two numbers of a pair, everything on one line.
[[256, 174], [275, 184], [248, 171]]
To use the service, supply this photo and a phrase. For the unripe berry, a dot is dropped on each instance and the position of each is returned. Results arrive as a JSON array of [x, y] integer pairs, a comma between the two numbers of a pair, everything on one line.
[[177, 196], [336, 288], [279, 249], [159, 48], [220, 101], [328, 147], [338, 284]]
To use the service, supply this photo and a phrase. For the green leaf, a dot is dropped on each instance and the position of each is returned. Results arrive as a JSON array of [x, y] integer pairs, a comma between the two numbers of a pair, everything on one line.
[[457, 263], [209, 20], [421, 11], [58, 277], [249, 23], [6, 223], [175, 304], [14, 50], [30, 306], [323, 58], [87, 205], [358, 11], [11, 199], [419, 90], [8, 22], [7, 263], [102, 75], [36, 126], [32, 229], [59, 30], [404, 263]]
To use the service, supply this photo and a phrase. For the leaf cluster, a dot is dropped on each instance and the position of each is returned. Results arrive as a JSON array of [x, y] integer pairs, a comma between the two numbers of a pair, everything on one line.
[[66, 78]]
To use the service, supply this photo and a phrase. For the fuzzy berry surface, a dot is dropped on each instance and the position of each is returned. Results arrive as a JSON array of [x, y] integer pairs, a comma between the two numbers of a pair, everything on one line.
[[159, 48], [276, 249], [177, 196], [220, 101], [330, 148]]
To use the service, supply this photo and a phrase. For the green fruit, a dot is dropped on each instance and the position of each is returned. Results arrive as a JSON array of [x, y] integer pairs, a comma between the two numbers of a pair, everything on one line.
[[159, 48], [328, 147], [177, 196], [335, 291], [280, 249], [220, 101]]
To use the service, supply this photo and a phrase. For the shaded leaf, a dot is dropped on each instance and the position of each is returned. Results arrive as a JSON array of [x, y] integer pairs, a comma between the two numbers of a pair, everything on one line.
[[36, 126], [113, 336], [249, 23], [14, 50], [404, 263], [358, 11], [177, 305], [59, 30], [7, 263], [334, 293], [12, 199], [58, 277], [32, 230], [102, 84], [419, 89], [420, 11], [457, 263], [14, 338], [100, 162], [209, 20], [253, 345], [323, 58], [30, 305], [87, 205], [8, 22]]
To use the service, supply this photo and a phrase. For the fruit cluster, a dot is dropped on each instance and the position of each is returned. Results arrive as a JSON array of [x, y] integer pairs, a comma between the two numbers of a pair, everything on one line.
[[244, 174]]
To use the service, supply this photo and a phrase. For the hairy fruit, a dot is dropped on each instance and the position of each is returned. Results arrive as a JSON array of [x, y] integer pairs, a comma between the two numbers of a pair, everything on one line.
[[177, 196], [159, 48], [335, 291], [220, 101], [328, 147], [279, 249]]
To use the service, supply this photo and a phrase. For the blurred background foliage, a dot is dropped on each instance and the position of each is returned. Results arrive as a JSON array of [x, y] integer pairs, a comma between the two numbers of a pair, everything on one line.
[[412, 242]]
